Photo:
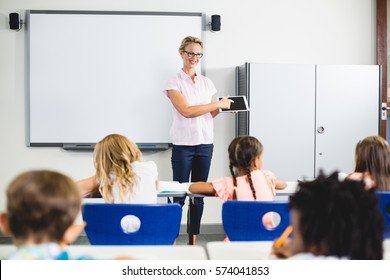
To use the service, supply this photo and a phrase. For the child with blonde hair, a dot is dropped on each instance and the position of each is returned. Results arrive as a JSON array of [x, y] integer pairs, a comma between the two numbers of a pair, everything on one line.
[[121, 174], [248, 181]]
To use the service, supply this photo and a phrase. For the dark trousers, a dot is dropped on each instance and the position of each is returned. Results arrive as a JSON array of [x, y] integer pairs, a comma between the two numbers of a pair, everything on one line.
[[194, 161]]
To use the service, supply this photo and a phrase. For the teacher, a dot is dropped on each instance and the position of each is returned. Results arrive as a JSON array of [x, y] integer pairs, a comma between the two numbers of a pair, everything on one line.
[[192, 132]]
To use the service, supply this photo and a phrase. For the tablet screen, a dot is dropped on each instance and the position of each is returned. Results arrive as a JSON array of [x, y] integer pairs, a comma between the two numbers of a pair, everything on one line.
[[239, 104]]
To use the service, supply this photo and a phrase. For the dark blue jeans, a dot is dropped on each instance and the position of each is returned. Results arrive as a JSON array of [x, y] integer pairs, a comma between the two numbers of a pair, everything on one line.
[[194, 161]]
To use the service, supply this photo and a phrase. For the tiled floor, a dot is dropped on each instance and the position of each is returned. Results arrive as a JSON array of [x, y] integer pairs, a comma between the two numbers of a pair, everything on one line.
[[201, 239]]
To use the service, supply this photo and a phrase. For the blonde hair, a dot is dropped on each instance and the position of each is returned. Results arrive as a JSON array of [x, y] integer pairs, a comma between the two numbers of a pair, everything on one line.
[[189, 40], [113, 156]]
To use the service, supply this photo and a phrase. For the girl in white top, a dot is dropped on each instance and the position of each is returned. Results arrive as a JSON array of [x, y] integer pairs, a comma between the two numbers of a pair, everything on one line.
[[121, 175]]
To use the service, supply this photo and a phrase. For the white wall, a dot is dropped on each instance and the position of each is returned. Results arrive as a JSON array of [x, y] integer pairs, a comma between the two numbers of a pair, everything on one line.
[[283, 31]]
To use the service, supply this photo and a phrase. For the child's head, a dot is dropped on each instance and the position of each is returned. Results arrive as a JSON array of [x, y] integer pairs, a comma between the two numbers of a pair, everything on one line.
[[245, 155], [243, 151], [372, 155], [113, 156], [41, 206], [334, 218]]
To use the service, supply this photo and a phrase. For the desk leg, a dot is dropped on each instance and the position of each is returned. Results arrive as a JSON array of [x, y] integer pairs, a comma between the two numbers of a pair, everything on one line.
[[189, 223]]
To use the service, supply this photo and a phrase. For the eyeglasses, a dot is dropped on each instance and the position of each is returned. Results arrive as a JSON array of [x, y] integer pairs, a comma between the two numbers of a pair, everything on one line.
[[191, 54]]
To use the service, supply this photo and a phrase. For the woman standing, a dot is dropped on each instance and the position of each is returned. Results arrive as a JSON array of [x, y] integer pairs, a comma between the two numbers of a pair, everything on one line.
[[192, 128]]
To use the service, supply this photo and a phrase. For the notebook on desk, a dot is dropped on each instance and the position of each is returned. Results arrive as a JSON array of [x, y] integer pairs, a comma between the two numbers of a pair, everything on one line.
[[172, 187]]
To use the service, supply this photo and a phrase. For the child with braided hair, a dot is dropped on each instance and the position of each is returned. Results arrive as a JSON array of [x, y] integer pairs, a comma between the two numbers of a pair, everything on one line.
[[248, 182]]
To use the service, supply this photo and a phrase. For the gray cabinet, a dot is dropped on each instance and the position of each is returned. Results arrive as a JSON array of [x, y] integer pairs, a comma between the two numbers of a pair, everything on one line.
[[309, 117]]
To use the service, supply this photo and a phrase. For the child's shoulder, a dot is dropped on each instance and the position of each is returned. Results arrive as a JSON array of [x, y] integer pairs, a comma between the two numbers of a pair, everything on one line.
[[149, 163], [45, 251], [265, 176], [266, 173]]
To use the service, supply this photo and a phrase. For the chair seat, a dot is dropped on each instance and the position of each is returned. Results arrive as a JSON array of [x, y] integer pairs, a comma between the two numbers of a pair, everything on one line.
[[131, 224], [384, 205], [243, 220]]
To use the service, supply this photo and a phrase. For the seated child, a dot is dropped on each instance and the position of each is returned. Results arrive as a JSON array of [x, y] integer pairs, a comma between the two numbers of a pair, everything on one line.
[[333, 219], [41, 209], [372, 163], [121, 174], [247, 181]]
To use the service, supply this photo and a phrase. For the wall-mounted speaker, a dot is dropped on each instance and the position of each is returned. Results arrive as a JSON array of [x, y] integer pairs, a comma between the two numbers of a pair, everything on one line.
[[14, 22], [215, 22]]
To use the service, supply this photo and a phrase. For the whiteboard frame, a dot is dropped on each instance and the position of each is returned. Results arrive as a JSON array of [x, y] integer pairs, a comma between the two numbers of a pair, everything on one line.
[[31, 138]]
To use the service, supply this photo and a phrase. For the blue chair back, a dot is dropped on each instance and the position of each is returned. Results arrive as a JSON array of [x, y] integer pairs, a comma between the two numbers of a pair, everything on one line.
[[242, 220], [144, 224], [384, 205]]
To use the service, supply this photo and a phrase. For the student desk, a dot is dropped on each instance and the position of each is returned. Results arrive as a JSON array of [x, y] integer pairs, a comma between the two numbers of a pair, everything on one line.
[[142, 252], [216, 250], [289, 190], [255, 250], [239, 250], [166, 189], [172, 189]]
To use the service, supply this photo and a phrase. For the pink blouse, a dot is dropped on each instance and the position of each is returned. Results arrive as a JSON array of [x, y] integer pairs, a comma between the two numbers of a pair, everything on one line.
[[198, 130], [264, 183]]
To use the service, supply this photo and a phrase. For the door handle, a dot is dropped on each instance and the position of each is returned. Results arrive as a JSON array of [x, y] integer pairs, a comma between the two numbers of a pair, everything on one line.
[[320, 129], [384, 111]]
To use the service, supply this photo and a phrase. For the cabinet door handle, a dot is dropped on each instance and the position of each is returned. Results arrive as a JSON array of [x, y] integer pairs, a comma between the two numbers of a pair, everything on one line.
[[320, 129], [384, 111]]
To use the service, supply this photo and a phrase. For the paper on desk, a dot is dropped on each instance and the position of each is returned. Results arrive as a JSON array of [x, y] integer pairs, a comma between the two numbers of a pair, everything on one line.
[[172, 186]]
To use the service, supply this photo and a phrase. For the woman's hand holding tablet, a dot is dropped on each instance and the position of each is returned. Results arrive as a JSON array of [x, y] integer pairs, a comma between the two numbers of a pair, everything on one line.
[[239, 103]]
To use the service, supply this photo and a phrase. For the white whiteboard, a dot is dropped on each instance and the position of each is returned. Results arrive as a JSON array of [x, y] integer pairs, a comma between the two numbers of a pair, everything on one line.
[[95, 73]]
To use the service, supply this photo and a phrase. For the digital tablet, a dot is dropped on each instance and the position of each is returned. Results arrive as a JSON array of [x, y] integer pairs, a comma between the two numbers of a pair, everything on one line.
[[239, 104]]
